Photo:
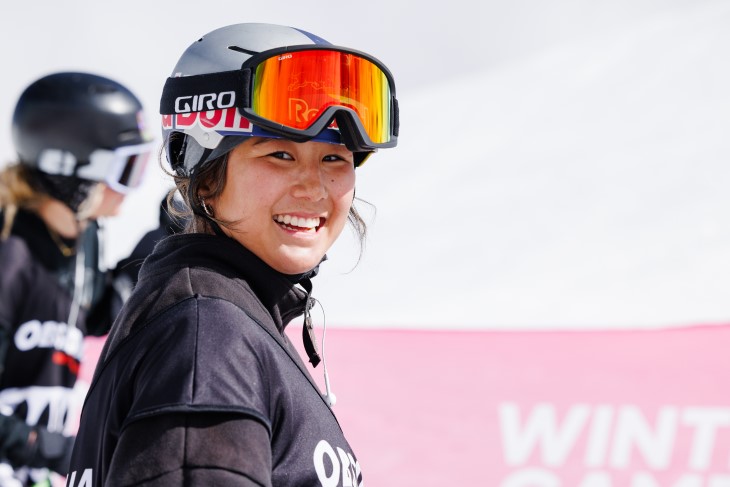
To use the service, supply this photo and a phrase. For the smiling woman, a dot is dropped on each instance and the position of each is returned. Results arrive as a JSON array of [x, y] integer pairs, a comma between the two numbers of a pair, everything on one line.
[[286, 202], [198, 383]]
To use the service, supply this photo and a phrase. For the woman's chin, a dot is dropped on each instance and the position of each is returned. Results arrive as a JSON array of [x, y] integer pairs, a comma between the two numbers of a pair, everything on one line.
[[296, 263]]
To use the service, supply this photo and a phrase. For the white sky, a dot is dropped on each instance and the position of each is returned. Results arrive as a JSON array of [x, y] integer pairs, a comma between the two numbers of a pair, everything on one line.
[[561, 164]]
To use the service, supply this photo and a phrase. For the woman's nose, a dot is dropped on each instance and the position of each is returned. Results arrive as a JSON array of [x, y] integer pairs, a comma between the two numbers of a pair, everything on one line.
[[310, 183]]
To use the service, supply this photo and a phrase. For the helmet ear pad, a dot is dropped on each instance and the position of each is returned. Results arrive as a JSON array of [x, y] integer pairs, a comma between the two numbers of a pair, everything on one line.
[[186, 155]]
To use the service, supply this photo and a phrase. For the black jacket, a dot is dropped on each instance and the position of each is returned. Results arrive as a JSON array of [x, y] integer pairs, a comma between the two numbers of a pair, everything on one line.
[[40, 353], [199, 385]]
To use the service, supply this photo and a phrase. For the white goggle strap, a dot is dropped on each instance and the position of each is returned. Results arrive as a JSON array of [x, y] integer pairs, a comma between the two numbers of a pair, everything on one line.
[[109, 166]]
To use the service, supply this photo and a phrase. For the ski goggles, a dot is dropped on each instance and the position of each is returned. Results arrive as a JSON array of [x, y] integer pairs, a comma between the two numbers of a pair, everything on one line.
[[122, 169], [297, 92]]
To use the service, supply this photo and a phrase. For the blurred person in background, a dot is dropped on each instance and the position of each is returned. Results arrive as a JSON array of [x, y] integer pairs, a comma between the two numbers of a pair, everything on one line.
[[171, 221], [81, 145]]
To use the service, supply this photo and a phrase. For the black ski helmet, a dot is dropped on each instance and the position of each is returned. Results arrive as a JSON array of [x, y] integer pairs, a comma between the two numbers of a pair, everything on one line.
[[61, 119], [194, 139]]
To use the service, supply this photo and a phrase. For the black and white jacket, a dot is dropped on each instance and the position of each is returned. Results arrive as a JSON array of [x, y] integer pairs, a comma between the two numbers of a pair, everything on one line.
[[40, 353], [199, 385]]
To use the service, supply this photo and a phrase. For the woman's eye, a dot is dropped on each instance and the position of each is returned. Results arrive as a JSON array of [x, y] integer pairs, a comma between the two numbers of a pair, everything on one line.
[[281, 155], [334, 158]]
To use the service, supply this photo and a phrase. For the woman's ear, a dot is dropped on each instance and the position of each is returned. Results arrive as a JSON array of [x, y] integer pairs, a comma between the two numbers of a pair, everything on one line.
[[203, 189]]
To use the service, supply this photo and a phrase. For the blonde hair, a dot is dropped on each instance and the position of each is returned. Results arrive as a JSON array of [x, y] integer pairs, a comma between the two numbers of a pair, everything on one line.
[[16, 191]]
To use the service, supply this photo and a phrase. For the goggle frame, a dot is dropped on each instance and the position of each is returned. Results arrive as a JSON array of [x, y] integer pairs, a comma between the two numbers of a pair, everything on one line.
[[179, 90], [347, 118]]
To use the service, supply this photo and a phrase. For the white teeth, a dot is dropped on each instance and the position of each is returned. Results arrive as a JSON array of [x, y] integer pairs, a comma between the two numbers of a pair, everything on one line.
[[300, 222]]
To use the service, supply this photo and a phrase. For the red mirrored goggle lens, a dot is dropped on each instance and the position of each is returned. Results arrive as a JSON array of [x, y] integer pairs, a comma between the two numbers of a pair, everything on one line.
[[295, 88]]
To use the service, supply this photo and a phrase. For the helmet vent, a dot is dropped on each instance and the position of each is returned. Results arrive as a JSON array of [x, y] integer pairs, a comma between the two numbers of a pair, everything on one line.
[[240, 49]]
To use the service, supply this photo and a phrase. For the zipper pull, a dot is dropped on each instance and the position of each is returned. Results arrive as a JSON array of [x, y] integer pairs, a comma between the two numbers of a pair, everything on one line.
[[308, 336]]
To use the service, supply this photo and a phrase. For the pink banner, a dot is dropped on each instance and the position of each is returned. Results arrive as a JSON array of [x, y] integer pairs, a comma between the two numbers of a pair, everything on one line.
[[535, 409]]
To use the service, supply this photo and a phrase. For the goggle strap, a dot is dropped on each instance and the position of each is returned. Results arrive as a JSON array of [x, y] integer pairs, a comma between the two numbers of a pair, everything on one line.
[[245, 101], [396, 118], [187, 94]]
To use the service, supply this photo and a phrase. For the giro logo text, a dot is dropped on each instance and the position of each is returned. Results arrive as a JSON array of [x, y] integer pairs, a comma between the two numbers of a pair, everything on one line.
[[207, 101]]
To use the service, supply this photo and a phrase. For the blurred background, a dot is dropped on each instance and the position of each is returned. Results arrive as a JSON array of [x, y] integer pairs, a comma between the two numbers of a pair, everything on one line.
[[561, 164], [562, 168]]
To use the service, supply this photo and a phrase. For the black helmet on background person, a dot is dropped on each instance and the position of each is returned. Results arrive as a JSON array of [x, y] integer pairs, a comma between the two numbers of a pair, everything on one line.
[[76, 129], [207, 103]]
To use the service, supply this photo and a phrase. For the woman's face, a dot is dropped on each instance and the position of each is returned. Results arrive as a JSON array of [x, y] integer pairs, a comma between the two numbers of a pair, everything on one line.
[[288, 201]]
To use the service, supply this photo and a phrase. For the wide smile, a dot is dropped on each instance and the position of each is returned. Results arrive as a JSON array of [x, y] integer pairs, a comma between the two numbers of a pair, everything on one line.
[[299, 224]]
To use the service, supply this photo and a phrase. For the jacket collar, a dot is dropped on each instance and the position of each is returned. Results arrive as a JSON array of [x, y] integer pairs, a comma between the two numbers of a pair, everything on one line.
[[279, 293]]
